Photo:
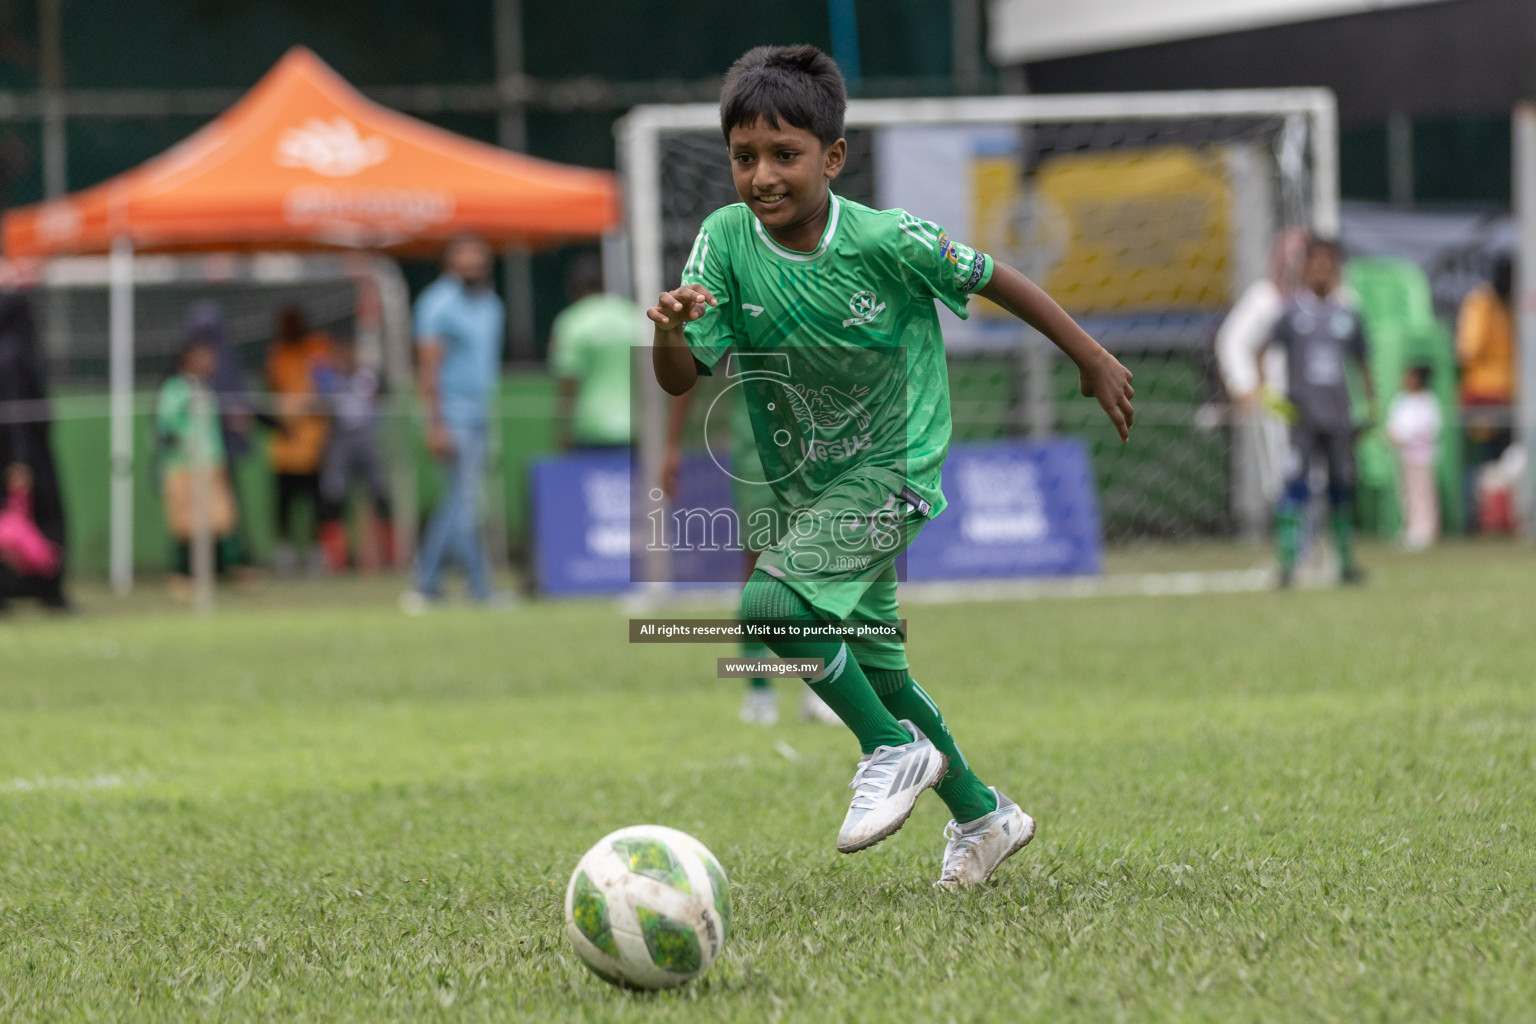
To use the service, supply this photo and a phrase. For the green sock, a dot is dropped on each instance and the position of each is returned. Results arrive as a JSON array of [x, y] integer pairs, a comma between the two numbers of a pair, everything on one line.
[[843, 684], [966, 796], [1288, 533], [754, 651], [1344, 535]]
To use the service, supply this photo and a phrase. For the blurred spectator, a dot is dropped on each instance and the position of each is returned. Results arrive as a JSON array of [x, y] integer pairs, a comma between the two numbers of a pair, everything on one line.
[[187, 430], [26, 457], [1413, 427], [352, 454], [292, 360], [1259, 435], [1485, 348], [1319, 336], [460, 323], [589, 353], [237, 416]]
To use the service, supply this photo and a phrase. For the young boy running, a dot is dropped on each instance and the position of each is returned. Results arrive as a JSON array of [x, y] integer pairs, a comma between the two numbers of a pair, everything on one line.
[[853, 422]]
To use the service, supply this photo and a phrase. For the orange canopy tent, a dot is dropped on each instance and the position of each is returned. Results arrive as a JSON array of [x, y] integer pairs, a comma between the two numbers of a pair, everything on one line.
[[305, 161], [302, 162]]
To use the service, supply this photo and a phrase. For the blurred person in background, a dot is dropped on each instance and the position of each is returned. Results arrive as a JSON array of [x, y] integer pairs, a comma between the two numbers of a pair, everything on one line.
[[1485, 348], [237, 415], [1259, 440], [1319, 336], [294, 356], [187, 429], [460, 324], [589, 353], [352, 454], [27, 474], [1413, 427]]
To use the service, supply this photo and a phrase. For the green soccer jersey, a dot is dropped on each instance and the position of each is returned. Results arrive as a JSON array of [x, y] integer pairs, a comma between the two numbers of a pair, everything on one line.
[[838, 350], [590, 343]]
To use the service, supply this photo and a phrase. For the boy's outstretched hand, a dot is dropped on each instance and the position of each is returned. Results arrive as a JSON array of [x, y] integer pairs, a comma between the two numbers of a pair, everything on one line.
[[677, 307], [1107, 379]]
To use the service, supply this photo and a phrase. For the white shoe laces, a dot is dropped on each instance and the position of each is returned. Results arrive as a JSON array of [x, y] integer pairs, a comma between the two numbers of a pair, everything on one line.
[[962, 845], [870, 780]]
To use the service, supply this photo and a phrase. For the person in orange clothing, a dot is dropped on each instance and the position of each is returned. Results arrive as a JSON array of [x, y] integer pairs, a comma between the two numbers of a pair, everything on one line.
[[292, 360], [1485, 348]]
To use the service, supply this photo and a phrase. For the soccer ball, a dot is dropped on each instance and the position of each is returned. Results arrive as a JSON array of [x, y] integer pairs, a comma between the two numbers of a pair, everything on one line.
[[648, 907]]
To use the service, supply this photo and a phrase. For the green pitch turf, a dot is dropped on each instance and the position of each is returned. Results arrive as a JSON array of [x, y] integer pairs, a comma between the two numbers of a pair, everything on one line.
[[1306, 806]]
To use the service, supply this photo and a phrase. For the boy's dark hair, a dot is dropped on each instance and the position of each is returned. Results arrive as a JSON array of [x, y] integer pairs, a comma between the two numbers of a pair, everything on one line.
[[798, 85], [1420, 371], [1322, 243], [585, 276], [192, 344], [1503, 276]]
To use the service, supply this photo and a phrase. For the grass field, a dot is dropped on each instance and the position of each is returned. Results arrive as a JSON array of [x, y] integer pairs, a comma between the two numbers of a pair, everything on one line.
[[1308, 806]]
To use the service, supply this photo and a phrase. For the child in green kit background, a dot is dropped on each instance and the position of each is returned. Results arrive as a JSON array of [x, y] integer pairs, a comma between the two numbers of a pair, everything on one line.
[[854, 430], [188, 434]]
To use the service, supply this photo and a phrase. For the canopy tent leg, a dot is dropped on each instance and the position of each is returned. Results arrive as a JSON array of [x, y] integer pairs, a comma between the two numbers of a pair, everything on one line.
[[395, 322], [120, 371]]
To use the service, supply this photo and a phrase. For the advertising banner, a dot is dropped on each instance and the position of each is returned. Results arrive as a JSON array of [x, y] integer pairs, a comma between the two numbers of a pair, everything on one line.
[[1016, 508]]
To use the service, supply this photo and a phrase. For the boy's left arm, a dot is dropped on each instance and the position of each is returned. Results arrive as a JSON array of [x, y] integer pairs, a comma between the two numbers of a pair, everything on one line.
[[1100, 375]]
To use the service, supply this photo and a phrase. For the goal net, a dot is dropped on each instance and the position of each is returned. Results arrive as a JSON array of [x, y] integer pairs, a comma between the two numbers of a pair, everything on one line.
[[1145, 215]]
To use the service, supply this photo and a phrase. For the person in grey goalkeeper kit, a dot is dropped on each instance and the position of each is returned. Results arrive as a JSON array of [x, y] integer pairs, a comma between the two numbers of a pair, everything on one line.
[[460, 324]]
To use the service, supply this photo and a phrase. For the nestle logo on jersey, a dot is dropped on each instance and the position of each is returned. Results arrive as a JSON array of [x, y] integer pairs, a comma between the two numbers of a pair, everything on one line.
[[829, 410]]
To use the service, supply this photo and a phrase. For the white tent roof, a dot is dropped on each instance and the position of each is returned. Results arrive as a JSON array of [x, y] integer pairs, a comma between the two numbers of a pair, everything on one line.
[[1030, 30]]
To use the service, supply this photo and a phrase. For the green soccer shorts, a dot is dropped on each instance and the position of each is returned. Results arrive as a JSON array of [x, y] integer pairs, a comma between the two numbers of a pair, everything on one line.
[[840, 556]]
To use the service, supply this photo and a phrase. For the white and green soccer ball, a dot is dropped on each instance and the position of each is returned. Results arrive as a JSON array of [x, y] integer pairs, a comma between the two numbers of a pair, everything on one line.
[[648, 907]]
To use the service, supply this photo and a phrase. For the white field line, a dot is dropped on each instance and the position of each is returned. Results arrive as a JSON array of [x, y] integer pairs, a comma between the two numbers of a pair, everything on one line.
[[107, 781], [1146, 584]]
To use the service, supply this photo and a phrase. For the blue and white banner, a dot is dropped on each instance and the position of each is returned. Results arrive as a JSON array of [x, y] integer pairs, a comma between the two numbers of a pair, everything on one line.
[[581, 528], [1016, 508]]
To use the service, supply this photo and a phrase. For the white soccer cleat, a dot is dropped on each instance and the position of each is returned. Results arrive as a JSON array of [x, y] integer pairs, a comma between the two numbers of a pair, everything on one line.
[[814, 709], [976, 848], [760, 708], [885, 787]]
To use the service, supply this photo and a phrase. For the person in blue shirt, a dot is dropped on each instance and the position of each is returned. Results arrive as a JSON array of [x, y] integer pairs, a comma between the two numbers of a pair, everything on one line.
[[459, 323]]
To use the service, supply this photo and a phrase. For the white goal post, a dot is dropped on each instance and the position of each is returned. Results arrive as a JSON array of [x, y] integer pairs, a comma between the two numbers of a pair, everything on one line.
[[1301, 157]]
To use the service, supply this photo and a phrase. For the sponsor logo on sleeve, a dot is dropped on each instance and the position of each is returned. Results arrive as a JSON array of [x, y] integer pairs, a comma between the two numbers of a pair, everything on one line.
[[948, 249]]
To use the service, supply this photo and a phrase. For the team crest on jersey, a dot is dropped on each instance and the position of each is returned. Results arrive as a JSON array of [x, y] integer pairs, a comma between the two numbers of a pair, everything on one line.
[[1342, 325], [865, 307]]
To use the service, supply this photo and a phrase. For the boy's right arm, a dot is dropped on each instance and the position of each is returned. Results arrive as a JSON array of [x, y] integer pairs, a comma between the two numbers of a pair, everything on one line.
[[671, 358]]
